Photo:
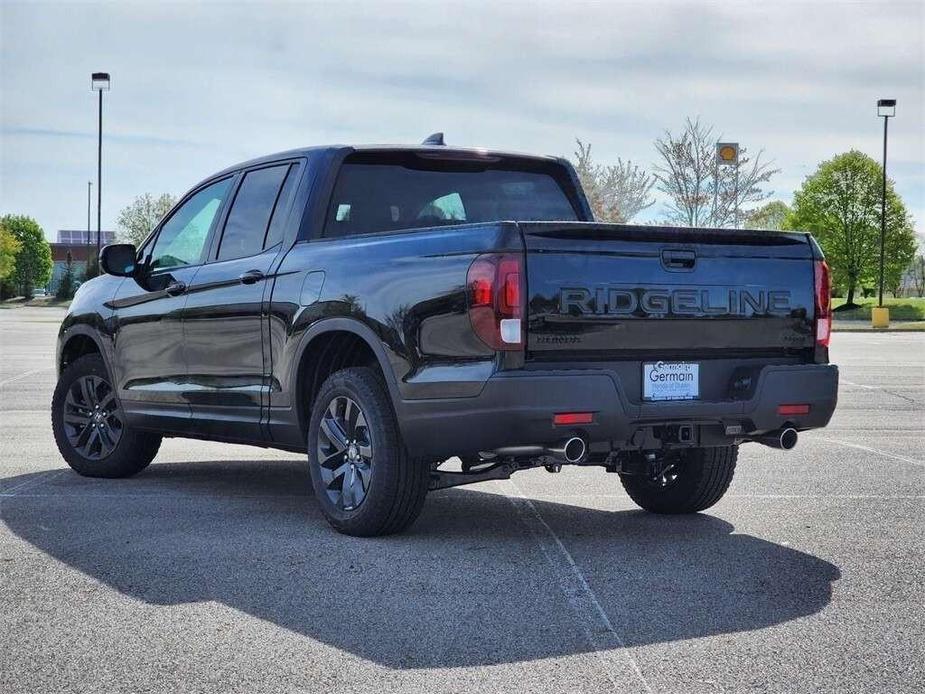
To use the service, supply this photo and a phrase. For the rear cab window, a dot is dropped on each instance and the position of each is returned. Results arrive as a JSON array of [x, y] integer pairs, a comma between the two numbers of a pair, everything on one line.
[[379, 192]]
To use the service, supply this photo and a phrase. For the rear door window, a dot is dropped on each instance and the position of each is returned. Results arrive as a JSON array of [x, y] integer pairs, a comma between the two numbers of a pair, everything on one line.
[[278, 221], [249, 218]]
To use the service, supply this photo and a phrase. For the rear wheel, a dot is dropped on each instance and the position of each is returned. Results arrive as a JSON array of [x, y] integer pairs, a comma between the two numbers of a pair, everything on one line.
[[89, 424], [364, 480], [685, 481]]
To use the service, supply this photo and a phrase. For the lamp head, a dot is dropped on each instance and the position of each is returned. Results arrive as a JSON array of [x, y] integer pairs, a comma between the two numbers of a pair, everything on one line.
[[886, 108], [99, 81]]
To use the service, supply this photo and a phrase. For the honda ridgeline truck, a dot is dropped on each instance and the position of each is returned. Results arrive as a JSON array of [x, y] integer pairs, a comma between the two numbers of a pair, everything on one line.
[[415, 318]]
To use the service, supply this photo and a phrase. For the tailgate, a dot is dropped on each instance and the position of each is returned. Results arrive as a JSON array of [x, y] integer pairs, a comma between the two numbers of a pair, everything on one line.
[[611, 292]]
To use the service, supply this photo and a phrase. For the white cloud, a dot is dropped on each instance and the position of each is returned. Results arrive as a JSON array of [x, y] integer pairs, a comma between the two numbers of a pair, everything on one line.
[[197, 87]]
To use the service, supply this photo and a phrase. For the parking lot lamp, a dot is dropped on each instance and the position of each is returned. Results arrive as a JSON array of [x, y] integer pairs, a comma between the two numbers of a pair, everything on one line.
[[886, 109], [99, 82], [89, 189]]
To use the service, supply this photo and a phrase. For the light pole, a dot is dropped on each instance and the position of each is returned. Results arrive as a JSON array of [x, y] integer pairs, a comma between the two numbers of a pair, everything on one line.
[[886, 109], [99, 82], [727, 154], [89, 188]]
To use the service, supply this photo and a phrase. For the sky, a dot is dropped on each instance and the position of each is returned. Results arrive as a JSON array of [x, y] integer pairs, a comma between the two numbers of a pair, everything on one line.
[[198, 87]]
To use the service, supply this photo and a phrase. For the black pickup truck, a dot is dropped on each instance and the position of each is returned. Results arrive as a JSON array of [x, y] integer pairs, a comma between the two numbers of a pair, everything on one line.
[[423, 317]]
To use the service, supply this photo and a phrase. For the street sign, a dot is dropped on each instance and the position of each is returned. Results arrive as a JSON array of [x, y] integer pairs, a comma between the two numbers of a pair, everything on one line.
[[727, 153]]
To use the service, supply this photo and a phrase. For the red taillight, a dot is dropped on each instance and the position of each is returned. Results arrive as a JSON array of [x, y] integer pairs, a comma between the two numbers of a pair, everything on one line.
[[572, 418], [495, 294], [785, 410], [823, 303]]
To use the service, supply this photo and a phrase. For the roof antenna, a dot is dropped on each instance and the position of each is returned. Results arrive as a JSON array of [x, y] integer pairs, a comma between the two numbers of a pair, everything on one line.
[[436, 139]]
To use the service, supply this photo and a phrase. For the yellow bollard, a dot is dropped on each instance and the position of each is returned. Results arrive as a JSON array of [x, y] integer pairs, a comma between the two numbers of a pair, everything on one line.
[[880, 317]]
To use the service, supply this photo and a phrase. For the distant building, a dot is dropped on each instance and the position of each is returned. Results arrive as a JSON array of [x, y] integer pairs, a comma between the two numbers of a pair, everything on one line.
[[77, 242]]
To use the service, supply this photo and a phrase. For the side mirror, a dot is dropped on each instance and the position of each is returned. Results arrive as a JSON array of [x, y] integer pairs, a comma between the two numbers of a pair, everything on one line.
[[118, 259]]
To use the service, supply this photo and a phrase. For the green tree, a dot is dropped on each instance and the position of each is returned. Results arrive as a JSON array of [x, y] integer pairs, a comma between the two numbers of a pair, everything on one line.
[[139, 218], [9, 247], [616, 193], [899, 252], [92, 268], [840, 205], [917, 272], [33, 259], [66, 285], [770, 216]]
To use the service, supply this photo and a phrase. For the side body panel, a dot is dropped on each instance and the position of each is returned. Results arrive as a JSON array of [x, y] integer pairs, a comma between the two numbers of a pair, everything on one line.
[[226, 384], [406, 289], [149, 364], [90, 315]]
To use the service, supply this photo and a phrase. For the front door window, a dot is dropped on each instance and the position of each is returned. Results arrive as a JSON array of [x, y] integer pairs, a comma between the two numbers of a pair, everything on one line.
[[182, 237]]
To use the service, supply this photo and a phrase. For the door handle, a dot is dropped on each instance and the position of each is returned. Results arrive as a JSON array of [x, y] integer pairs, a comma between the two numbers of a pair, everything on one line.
[[251, 277], [175, 288], [679, 260]]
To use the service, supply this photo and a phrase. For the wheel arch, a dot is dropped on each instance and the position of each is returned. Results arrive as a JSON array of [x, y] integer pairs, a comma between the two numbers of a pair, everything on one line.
[[76, 343], [330, 345]]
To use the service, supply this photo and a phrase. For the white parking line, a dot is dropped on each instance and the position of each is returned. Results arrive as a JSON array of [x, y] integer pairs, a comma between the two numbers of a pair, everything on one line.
[[851, 497], [35, 481], [610, 649], [901, 458], [169, 496], [881, 389], [25, 375]]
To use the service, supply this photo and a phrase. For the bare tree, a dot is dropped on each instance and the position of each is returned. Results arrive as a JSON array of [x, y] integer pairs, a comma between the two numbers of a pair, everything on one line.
[[700, 193], [616, 193]]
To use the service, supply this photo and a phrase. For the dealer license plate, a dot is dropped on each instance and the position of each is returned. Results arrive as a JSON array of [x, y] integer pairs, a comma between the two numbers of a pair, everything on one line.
[[670, 380]]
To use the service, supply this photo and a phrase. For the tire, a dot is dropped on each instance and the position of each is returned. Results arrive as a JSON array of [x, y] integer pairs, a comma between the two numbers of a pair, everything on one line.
[[89, 424], [703, 476], [392, 485]]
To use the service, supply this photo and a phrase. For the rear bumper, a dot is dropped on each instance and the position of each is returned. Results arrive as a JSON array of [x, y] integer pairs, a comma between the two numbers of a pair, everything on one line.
[[516, 408]]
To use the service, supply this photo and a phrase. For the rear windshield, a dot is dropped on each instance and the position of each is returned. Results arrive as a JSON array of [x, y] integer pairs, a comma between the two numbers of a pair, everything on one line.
[[378, 196]]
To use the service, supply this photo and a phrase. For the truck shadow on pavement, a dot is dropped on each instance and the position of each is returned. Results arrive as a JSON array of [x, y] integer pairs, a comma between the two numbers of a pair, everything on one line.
[[468, 585]]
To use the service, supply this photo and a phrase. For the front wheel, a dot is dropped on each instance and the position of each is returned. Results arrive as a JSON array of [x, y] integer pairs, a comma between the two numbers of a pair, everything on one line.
[[364, 480], [686, 481], [89, 424]]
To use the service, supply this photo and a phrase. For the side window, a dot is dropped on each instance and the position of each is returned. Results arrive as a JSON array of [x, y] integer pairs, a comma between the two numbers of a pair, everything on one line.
[[182, 237], [278, 222], [249, 218]]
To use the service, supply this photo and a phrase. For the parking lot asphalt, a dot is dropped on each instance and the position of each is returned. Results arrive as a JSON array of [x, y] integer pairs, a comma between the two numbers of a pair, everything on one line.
[[213, 570]]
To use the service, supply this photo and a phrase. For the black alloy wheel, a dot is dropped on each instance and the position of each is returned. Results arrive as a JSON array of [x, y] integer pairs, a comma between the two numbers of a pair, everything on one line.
[[364, 478], [93, 420], [91, 427], [345, 453]]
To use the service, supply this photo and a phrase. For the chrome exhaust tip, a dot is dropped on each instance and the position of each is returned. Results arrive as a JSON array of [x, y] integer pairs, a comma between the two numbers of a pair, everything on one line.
[[571, 450], [788, 438], [784, 439]]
